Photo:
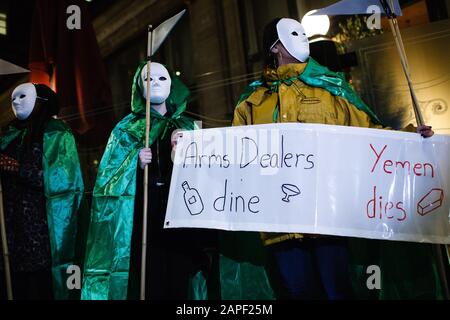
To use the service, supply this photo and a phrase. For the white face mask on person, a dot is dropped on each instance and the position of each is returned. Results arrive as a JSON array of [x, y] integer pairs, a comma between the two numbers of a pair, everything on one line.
[[160, 83], [293, 37], [23, 100]]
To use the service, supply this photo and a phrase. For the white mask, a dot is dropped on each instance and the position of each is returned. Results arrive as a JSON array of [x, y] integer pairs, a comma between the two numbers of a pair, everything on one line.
[[159, 84], [293, 37], [23, 100]]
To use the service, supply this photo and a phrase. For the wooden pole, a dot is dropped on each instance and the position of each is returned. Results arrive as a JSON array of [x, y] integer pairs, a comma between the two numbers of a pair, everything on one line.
[[147, 144], [393, 23], [401, 50], [5, 247]]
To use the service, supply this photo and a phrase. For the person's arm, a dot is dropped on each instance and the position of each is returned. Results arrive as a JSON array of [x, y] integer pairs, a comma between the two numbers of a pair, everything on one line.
[[241, 114], [350, 115]]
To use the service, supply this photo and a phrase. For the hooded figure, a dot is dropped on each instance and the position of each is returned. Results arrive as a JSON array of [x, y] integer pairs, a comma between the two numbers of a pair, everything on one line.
[[43, 189], [114, 235], [295, 88]]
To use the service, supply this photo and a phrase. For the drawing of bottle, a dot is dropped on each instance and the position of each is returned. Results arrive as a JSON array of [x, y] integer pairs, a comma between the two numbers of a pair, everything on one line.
[[192, 199]]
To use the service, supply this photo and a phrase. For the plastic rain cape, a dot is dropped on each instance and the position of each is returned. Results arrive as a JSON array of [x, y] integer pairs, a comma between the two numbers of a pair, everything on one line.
[[110, 230], [63, 188], [317, 75]]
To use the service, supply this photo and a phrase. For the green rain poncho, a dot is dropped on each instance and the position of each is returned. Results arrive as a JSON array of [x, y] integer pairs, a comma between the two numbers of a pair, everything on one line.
[[319, 76], [108, 245], [63, 189]]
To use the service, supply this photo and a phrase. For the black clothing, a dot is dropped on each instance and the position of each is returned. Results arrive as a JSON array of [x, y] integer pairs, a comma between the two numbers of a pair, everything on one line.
[[172, 254], [25, 204], [25, 211]]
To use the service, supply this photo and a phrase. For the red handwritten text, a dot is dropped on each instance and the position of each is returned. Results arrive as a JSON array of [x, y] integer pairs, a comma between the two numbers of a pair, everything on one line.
[[391, 167], [382, 209]]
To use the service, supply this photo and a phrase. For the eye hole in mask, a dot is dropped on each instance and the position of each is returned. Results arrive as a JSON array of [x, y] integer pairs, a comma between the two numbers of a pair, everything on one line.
[[160, 79], [294, 33], [159, 84], [22, 96]]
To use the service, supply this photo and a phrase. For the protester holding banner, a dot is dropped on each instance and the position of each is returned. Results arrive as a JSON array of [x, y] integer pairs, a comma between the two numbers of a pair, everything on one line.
[[114, 252], [42, 189], [295, 88]]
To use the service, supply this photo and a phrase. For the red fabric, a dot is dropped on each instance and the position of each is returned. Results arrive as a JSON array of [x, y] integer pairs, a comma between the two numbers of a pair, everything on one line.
[[69, 61]]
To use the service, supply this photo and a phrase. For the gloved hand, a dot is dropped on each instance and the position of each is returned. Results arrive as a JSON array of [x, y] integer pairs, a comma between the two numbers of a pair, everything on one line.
[[145, 157], [174, 138], [425, 131]]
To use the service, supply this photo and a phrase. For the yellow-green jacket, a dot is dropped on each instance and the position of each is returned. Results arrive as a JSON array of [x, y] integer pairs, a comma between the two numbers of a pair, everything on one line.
[[296, 101]]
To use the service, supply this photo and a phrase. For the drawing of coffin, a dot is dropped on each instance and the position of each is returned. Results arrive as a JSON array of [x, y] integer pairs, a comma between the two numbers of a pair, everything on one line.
[[430, 202]]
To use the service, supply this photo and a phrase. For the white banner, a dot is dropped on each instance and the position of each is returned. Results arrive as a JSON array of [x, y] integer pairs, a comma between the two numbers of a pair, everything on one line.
[[309, 178]]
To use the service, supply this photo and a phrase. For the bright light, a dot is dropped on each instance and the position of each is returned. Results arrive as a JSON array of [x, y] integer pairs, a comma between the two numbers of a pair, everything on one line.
[[178, 73], [315, 25]]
